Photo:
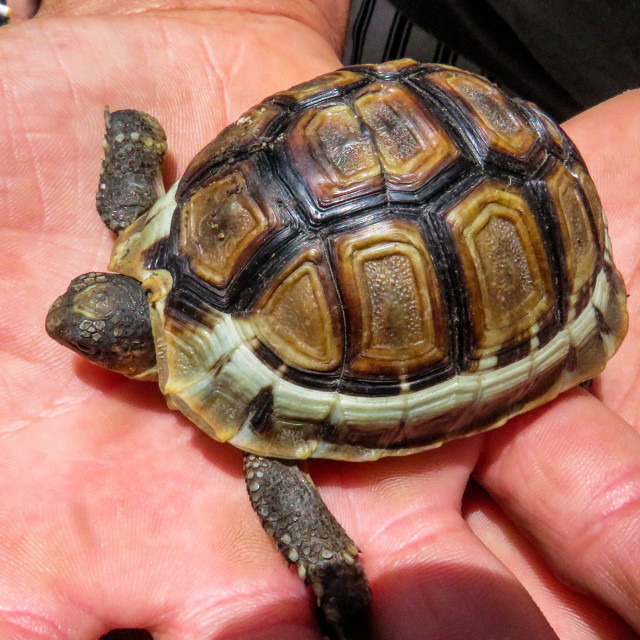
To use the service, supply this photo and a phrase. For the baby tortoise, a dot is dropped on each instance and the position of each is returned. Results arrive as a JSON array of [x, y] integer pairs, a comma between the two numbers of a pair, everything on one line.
[[371, 263]]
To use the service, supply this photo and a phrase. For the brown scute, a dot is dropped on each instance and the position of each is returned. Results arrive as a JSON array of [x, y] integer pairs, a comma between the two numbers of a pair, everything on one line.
[[247, 133], [591, 354], [504, 129], [396, 139], [390, 285], [583, 255], [218, 224], [468, 417], [420, 433], [383, 436], [338, 143], [155, 254], [334, 156], [411, 145], [543, 386], [393, 298], [478, 416], [513, 354], [549, 129], [601, 323], [505, 265], [571, 363], [614, 315], [593, 200], [390, 69], [329, 83], [187, 309], [298, 317]]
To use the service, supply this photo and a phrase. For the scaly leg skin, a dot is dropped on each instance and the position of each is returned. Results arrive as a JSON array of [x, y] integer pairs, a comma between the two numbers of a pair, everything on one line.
[[131, 175], [306, 533]]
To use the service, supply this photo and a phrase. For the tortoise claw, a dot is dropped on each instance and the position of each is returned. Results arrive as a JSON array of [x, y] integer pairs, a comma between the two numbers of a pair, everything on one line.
[[343, 597]]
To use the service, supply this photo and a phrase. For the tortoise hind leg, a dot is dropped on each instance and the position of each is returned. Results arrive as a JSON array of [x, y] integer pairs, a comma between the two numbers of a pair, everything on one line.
[[131, 175], [307, 535]]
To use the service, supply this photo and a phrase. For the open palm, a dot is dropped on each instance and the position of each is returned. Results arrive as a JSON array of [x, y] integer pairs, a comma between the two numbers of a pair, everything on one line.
[[116, 512]]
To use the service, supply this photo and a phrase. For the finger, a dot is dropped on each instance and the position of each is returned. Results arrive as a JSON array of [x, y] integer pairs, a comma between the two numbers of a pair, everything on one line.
[[569, 475], [571, 614], [22, 9], [430, 576], [439, 586], [608, 137]]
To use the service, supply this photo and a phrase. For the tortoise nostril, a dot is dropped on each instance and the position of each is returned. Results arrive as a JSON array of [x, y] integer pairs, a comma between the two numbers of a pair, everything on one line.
[[86, 349], [54, 320]]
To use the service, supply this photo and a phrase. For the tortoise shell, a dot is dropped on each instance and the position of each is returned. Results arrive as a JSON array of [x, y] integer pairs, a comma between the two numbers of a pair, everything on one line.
[[375, 262]]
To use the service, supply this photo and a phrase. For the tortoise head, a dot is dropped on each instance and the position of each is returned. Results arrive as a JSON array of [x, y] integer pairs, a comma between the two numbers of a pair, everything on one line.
[[105, 318]]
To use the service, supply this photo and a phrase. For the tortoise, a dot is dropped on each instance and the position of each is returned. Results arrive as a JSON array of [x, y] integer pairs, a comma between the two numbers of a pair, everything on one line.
[[371, 263]]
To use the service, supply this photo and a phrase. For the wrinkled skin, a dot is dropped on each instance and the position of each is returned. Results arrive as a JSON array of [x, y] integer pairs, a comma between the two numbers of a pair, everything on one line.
[[116, 512]]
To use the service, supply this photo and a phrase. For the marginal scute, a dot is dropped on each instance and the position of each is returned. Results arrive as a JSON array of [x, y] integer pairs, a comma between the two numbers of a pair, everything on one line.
[[202, 368], [239, 137], [297, 318], [591, 355], [217, 225], [395, 67], [321, 85], [391, 68], [589, 190], [334, 156], [550, 128], [580, 247], [506, 130], [412, 146], [505, 266], [183, 350], [393, 297]]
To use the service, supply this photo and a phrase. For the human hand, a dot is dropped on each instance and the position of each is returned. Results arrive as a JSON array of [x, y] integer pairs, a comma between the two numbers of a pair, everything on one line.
[[116, 512]]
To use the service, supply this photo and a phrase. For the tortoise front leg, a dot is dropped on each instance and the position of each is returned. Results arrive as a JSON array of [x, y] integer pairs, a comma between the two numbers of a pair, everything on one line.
[[131, 175], [306, 533]]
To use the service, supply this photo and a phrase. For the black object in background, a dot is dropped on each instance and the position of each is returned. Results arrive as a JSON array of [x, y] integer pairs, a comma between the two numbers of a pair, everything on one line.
[[5, 12], [564, 55]]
